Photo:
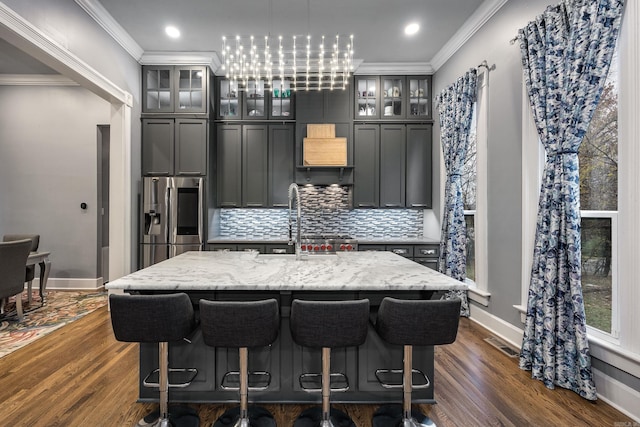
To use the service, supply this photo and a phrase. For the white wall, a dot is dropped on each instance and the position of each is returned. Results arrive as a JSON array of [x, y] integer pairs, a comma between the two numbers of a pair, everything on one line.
[[48, 167]]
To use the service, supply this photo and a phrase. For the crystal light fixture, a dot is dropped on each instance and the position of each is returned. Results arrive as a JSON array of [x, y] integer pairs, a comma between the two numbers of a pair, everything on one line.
[[308, 64]]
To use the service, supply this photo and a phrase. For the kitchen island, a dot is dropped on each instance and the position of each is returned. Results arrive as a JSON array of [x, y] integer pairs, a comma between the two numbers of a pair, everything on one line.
[[245, 276]]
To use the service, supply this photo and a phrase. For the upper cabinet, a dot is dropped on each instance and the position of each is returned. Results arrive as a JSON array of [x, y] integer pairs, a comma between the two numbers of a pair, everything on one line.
[[404, 98], [175, 89], [256, 100]]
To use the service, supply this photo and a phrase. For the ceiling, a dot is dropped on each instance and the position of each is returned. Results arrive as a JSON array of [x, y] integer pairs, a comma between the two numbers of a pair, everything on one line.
[[377, 26]]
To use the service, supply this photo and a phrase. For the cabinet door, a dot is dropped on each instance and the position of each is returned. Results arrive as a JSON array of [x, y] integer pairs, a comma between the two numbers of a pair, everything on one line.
[[393, 99], [367, 97], [366, 152], [281, 163], [157, 86], [228, 100], [157, 146], [254, 101], [392, 165], [282, 105], [254, 165], [419, 166], [191, 147], [337, 105], [419, 96], [229, 142], [191, 89], [309, 106]]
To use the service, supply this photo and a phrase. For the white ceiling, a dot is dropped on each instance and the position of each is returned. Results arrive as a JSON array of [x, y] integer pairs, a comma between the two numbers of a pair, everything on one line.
[[377, 26]]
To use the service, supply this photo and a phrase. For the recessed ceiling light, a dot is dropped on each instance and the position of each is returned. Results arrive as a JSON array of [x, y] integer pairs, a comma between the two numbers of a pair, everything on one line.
[[411, 29], [172, 32]]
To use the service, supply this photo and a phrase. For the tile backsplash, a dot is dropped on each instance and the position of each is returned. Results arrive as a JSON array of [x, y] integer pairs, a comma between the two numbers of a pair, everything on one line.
[[325, 210]]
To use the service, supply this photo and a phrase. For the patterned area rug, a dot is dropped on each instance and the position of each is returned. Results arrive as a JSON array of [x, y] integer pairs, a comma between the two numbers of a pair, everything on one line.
[[62, 307]]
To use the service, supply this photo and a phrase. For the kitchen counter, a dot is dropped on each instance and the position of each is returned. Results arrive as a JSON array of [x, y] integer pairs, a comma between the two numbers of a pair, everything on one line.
[[348, 271], [361, 240], [247, 276]]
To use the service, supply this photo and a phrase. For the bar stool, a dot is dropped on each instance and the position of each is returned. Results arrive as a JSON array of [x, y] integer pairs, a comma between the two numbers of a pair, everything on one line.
[[409, 323], [158, 319], [327, 325], [235, 324]]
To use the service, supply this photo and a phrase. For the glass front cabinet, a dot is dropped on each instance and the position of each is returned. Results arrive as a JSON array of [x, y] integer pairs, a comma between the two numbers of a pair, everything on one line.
[[255, 100], [366, 92], [175, 89], [403, 98], [419, 97]]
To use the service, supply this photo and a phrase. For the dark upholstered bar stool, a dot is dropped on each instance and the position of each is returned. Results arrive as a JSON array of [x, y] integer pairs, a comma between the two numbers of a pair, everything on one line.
[[158, 319], [327, 325], [409, 323], [241, 325]]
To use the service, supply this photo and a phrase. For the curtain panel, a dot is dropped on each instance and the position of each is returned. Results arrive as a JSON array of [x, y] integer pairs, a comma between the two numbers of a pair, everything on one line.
[[566, 53], [455, 108]]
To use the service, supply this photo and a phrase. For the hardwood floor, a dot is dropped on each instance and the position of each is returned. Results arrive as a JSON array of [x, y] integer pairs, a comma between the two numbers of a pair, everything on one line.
[[80, 375]]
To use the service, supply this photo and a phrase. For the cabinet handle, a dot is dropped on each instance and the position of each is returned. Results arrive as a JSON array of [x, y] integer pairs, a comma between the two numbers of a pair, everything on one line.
[[418, 205], [278, 251], [189, 173], [399, 251], [428, 251], [366, 205], [391, 205], [255, 205]]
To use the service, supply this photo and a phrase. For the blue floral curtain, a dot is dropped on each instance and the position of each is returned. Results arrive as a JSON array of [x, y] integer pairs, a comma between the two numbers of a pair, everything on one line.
[[455, 106], [566, 54]]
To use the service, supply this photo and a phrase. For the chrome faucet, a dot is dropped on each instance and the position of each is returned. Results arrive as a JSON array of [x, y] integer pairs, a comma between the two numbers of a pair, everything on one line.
[[293, 190]]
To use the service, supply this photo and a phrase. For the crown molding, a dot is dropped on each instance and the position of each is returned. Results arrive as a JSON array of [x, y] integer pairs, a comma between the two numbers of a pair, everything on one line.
[[209, 59], [484, 12], [393, 68], [35, 80], [21, 33], [99, 14]]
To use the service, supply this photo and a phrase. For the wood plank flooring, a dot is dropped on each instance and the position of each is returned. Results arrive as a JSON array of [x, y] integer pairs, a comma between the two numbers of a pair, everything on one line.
[[80, 375]]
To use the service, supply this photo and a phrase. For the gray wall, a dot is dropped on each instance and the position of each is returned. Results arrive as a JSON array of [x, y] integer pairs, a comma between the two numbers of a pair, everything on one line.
[[491, 43], [68, 24], [48, 167]]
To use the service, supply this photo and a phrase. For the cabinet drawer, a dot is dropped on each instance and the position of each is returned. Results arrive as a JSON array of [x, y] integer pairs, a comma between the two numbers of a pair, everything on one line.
[[402, 250], [427, 251], [432, 263], [221, 247], [251, 247], [366, 247], [279, 249]]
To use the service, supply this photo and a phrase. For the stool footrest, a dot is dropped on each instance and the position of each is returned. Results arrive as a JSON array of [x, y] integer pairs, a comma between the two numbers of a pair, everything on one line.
[[384, 377], [258, 380], [311, 382], [182, 377]]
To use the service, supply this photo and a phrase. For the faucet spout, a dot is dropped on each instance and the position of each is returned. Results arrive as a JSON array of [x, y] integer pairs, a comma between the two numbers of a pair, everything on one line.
[[295, 192]]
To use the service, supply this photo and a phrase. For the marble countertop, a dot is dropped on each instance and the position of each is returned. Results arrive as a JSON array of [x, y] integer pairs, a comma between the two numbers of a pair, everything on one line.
[[248, 271], [361, 240]]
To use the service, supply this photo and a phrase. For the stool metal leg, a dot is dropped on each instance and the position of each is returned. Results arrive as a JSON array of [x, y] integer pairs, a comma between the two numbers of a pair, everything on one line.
[[324, 416], [245, 416], [394, 416]]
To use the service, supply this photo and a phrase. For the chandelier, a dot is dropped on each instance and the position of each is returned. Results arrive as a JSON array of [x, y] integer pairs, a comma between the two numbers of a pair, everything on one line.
[[308, 64]]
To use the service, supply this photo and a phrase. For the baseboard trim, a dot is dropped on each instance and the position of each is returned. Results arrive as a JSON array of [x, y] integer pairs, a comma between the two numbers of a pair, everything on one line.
[[506, 331], [69, 284], [620, 396]]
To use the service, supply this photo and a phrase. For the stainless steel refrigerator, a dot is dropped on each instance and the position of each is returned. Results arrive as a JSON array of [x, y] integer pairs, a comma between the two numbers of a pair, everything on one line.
[[172, 217]]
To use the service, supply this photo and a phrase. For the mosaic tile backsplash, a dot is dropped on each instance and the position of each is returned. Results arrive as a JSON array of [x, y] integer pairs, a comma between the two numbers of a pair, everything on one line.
[[325, 210]]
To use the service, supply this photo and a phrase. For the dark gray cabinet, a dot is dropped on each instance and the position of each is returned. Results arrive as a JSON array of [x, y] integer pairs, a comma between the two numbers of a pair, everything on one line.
[[366, 160], [392, 166], [175, 89], [281, 172], [418, 167], [406, 98], [255, 164], [255, 100], [174, 146], [324, 106]]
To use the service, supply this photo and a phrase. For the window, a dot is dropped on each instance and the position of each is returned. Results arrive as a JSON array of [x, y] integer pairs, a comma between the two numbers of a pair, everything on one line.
[[598, 157], [474, 184]]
